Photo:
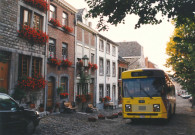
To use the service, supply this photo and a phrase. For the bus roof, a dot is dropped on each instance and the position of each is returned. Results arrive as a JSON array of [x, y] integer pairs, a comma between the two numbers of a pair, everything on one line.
[[143, 73]]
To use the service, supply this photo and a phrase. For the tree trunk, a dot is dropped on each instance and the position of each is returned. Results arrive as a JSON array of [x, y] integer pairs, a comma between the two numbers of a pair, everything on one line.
[[193, 101]]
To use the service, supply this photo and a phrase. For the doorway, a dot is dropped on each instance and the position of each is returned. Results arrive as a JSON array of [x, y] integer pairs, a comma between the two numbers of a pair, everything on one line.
[[50, 93]]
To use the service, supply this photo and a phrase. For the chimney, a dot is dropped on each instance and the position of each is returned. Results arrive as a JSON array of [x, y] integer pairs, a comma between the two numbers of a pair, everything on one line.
[[90, 24]]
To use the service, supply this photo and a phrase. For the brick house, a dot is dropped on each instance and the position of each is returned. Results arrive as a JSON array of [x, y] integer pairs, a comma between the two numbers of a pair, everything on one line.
[[22, 56], [149, 64], [85, 47], [61, 47]]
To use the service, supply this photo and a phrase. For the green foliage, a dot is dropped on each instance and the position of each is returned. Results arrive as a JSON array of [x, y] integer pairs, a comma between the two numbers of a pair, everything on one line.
[[2, 90], [115, 11], [181, 49]]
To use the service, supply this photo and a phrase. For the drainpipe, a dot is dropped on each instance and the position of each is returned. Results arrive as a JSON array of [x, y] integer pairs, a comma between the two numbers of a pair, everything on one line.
[[45, 64], [75, 61]]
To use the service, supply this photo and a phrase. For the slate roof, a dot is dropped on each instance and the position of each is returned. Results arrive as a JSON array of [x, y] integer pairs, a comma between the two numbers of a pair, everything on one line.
[[128, 49]]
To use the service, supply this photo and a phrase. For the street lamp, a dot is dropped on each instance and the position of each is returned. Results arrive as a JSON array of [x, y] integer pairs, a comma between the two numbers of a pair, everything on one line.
[[85, 60]]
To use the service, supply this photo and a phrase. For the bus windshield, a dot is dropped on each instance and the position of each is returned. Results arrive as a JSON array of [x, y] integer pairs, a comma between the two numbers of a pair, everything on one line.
[[143, 87]]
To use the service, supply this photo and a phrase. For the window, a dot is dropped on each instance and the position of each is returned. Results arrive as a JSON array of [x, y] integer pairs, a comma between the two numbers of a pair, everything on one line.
[[92, 58], [24, 63], [79, 89], [101, 45], [64, 84], [101, 65], [38, 21], [108, 48], [108, 68], [113, 69], [26, 17], [31, 19], [52, 48], [52, 12], [113, 50], [64, 19], [101, 91], [36, 66], [64, 51], [108, 90]]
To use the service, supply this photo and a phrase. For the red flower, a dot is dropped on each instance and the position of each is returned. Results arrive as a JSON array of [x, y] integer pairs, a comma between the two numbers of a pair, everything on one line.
[[54, 61], [90, 65], [39, 4], [66, 63], [55, 22], [36, 82], [67, 28], [94, 67], [33, 35], [65, 95]]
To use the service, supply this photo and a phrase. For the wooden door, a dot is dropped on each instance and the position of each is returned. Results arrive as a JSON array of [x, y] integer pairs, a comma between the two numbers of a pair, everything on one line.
[[50, 93], [4, 75]]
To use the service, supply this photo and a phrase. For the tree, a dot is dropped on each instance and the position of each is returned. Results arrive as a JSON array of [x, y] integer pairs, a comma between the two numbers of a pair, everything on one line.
[[181, 49], [115, 11]]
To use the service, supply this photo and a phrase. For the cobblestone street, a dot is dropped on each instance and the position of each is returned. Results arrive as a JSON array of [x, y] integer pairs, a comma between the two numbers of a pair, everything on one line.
[[77, 124]]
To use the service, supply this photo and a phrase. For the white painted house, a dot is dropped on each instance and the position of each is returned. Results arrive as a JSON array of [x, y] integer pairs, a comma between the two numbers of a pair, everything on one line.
[[107, 73]]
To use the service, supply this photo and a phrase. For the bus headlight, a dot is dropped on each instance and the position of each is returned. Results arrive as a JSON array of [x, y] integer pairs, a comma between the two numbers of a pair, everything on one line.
[[128, 108], [156, 107]]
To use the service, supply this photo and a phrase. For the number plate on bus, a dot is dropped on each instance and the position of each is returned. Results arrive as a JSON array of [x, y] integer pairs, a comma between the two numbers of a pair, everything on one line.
[[142, 116], [142, 107]]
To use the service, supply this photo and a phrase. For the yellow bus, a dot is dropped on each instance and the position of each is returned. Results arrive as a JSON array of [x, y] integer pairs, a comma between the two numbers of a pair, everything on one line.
[[147, 93]]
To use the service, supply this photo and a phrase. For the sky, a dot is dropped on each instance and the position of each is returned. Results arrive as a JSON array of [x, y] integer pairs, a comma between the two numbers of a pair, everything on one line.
[[153, 38]]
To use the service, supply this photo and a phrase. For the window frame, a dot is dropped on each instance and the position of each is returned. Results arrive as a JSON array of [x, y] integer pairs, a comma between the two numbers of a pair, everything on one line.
[[113, 51], [108, 48], [101, 68], [113, 69], [50, 47], [108, 68], [53, 15], [66, 50], [101, 91], [65, 20], [108, 90], [101, 45]]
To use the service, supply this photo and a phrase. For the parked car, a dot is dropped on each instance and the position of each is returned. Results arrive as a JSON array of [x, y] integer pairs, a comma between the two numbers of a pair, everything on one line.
[[14, 119], [186, 96]]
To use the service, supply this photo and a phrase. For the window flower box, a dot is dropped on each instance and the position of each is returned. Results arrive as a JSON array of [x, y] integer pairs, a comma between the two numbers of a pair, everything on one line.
[[33, 35], [37, 82], [55, 22], [54, 61], [66, 63], [107, 99], [67, 28], [63, 95], [39, 4], [89, 65]]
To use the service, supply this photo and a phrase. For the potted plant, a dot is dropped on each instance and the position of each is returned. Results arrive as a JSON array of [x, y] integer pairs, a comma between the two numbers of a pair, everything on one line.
[[101, 116], [55, 22], [66, 63], [67, 28], [63, 95]]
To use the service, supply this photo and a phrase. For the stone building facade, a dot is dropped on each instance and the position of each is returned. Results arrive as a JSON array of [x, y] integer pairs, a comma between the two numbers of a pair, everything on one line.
[[23, 57], [61, 47]]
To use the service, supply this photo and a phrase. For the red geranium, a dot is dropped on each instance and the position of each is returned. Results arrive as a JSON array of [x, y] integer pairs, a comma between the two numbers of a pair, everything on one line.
[[55, 22], [39, 4], [94, 67], [66, 63], [90, 65], [64, 95], [67, 28], [54, 61], [33, 35], [36, 82]]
